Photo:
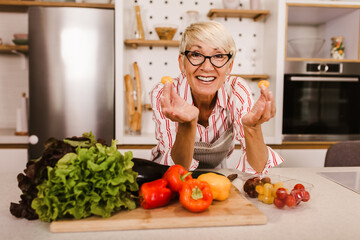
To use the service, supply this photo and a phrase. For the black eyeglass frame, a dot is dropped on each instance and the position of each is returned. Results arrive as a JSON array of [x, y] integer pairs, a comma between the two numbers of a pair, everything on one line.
[[186, 52]]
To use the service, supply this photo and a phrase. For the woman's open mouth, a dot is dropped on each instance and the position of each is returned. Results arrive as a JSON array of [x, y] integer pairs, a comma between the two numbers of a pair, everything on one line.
[[205, 79]]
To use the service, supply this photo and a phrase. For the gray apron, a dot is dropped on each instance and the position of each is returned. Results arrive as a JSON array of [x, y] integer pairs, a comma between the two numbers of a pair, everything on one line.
[[213, 155]]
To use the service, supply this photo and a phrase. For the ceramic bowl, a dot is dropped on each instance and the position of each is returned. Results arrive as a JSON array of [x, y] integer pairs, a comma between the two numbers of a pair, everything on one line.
[[231, 4], [306, 47], [20, 41], [166, 31], [21, 36]]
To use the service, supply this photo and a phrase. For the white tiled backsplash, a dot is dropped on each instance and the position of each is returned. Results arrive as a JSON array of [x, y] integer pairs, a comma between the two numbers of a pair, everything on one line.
[[14, 73]]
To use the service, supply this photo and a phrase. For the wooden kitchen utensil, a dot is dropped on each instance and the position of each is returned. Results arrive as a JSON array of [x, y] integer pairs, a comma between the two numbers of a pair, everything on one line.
[[130, 102], [140, 30], [234, 211], [133, 100], [138, 111]]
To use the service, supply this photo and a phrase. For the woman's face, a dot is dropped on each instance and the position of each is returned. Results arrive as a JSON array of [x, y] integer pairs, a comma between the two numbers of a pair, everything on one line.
[[205, 79]]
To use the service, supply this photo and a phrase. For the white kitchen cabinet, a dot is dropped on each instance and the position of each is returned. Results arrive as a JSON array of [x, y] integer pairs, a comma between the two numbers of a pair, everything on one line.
[[322, 21], [302, 157], [13, 160], [138, 153], [292, 157]]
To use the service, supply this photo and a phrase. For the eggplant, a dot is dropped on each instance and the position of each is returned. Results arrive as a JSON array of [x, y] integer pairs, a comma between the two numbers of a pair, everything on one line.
[[150, 171]]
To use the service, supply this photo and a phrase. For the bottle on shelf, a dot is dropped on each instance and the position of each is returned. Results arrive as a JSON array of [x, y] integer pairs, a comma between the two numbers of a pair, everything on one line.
[[337, 48]]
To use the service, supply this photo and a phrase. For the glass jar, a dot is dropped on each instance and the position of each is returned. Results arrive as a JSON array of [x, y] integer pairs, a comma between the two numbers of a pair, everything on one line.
[[231, 4], [255, 4], [133, 114], [337, 48], [192, 16]]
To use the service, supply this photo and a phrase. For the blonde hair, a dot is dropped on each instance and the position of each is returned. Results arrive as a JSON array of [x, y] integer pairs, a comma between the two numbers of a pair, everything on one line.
[[209, 32]]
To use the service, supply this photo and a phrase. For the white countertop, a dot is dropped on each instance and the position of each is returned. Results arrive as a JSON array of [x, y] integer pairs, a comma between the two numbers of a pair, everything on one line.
[[333, 212]]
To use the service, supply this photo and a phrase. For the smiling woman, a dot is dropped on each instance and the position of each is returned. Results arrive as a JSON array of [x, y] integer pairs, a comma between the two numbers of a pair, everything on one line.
[[204, 111]]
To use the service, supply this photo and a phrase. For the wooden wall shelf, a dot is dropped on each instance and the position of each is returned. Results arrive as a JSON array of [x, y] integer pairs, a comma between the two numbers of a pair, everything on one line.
[[253, 77], [256, 15], [156, 43], [22, 6], [11, 48]]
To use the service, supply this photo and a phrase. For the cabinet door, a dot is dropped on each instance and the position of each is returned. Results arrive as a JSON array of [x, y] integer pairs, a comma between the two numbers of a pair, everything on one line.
[[13, 160], [138, 153], [302, 157]]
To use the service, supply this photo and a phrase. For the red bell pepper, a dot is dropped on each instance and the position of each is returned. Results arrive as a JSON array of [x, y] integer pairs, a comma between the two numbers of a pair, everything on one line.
[[176, 175], [155, 194], [196, 195]]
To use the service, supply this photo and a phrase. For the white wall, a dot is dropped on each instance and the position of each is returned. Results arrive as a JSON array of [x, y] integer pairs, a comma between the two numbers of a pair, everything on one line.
[[13, 69], [156, 62]]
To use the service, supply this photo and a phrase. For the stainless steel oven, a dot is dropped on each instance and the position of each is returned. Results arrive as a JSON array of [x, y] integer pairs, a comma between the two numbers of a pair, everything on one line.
[[321, 101]]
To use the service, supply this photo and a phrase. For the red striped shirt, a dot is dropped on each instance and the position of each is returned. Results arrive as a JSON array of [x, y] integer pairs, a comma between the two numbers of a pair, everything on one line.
[[234, 101]]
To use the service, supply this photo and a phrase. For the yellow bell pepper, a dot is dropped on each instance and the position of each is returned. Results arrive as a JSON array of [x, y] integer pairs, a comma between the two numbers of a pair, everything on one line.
[[219, 184]]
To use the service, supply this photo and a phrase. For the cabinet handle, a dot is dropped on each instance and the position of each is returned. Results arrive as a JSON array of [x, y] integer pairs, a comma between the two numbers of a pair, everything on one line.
[[324, 79]]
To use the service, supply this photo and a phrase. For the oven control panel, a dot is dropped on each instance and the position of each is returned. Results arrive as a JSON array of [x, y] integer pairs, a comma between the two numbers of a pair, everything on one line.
[[324, 67]]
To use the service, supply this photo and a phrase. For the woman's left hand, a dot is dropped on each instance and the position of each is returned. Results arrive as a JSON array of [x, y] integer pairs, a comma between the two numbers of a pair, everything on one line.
[[263, 110]]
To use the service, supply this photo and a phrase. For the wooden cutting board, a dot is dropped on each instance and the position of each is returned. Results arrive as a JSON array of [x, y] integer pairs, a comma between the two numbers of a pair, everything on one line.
[[236, 210]]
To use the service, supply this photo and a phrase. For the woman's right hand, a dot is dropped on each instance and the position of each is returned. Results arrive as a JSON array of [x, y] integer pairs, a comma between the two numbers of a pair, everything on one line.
[[176, 108]]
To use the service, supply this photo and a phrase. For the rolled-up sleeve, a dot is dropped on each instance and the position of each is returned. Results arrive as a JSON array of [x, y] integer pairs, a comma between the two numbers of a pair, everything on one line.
[[165, 132], [274, 159], [242, 102]]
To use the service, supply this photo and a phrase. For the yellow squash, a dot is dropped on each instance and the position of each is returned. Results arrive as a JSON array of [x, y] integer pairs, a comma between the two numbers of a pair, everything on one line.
[[219, 184]]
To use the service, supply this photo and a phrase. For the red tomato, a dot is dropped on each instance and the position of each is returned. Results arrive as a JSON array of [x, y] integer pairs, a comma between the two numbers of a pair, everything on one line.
[[279, 203], [305, 196], [297, 195], [290, 200], [299, 186], [281, 193]]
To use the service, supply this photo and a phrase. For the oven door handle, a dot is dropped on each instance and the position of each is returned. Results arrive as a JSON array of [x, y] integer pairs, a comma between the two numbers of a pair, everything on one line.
[[325, 79]]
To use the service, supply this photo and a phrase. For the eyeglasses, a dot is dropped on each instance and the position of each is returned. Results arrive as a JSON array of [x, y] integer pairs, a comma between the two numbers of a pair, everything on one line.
[[217, 60]]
